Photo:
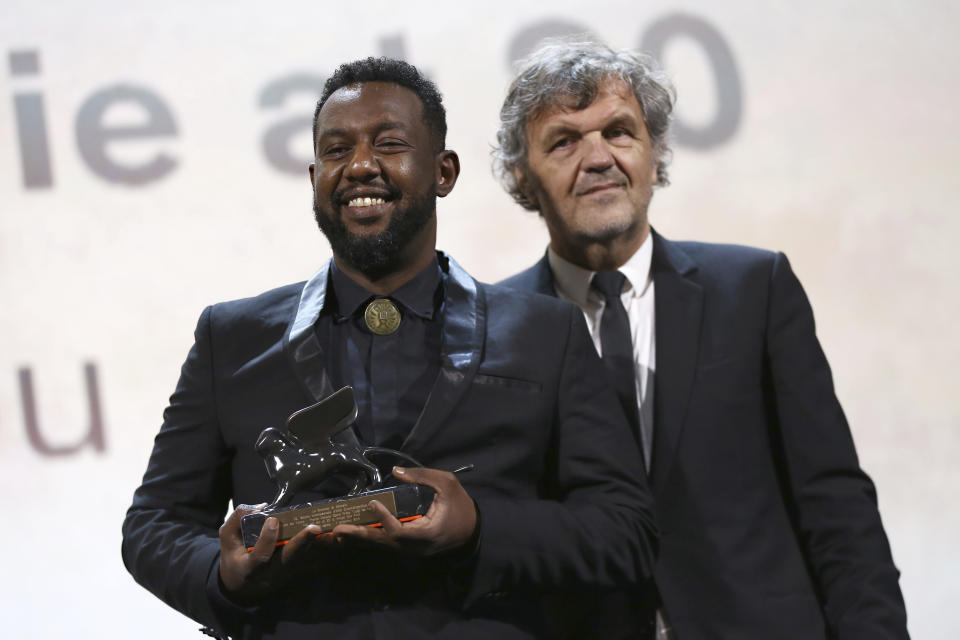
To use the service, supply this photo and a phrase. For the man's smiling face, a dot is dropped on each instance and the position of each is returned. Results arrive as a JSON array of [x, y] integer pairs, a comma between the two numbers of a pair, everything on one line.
[[375, 175]]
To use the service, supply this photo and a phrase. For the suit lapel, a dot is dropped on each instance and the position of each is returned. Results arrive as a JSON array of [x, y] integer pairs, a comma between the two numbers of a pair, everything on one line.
[[678, 313], [679, 309], [464, 328], [543, 277], [300, 342]]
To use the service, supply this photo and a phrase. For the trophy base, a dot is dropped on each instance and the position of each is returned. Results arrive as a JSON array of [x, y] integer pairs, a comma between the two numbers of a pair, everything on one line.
[[405, 502]]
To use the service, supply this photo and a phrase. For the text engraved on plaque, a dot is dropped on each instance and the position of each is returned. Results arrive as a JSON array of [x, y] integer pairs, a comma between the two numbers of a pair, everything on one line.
[[327, 516]]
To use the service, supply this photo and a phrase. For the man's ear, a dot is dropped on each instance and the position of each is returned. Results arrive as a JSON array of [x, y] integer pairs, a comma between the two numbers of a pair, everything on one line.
[[448, 170], [310, 169]]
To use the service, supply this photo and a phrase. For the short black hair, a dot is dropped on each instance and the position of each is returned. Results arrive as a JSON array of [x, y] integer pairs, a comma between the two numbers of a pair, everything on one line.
[[397, 72]]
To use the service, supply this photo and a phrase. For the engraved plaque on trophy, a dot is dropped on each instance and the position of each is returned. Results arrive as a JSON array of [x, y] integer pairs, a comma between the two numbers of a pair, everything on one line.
[[306, 455]]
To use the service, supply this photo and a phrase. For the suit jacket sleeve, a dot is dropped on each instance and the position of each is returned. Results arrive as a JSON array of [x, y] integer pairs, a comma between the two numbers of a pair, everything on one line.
[[594, 526], [170, 534], [835, 505]]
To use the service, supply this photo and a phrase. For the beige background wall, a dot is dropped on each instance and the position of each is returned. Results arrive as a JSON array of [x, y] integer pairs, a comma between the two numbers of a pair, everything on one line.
[[841, 152]]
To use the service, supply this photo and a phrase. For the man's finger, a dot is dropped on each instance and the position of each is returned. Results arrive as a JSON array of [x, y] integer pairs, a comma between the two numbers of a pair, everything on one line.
[[388, 521], [363, 534], [230, 537], [300, 541], [264, 548], [233, 520], [434, 478]]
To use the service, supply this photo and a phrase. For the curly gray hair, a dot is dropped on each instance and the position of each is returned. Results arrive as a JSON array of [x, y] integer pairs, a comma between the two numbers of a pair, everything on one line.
[[565, 71]]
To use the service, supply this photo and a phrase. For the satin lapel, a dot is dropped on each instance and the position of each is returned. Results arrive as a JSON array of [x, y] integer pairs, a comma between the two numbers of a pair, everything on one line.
[[679, 310], [464, 328], [300, 342]]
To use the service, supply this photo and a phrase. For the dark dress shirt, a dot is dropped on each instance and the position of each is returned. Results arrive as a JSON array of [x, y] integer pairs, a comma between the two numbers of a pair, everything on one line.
[[391, 375]]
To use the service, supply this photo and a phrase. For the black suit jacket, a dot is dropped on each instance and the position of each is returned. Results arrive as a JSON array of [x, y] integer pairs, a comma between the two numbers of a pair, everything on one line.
[[769, 528], [555, 476]]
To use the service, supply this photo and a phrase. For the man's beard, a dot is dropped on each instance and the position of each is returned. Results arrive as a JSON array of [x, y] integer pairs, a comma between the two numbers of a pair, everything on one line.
[[376, 255]]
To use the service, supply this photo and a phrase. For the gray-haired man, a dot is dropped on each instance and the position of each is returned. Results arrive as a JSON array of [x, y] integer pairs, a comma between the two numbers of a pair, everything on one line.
[[769, 527]]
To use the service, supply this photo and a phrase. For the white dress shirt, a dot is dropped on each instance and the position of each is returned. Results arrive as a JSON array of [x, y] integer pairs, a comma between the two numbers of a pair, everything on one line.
[[572, 283]]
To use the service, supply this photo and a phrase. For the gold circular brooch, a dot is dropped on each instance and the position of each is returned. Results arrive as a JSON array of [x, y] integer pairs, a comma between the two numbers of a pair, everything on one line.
[[382, 316]]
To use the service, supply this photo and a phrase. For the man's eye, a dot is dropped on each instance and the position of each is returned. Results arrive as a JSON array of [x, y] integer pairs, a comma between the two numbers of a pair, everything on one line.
[[617, 133], [560, 144], [335, 150]]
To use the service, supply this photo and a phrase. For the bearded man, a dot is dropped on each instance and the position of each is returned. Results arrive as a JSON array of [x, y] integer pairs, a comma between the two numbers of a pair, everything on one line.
[[467, 377]]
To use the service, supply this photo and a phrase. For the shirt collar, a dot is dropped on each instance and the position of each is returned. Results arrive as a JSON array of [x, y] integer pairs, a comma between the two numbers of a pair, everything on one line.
[[417, 295], [573, 281]]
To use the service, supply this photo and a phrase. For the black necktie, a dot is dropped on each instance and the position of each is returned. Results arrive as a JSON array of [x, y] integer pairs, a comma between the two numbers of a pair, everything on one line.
[[617, 344]]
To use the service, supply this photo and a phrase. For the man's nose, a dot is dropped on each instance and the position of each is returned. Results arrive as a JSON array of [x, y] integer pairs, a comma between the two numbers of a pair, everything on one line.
[[363, 164], [597, 156]]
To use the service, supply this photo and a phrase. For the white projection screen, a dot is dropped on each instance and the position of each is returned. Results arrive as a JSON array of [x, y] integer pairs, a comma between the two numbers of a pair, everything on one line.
[[153, 161]]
